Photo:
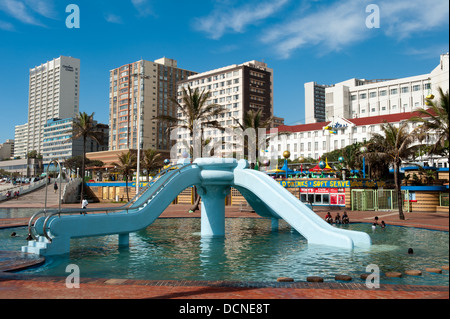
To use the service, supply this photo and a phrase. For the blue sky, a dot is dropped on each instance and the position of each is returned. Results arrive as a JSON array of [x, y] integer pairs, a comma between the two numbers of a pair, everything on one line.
[[322, 41]]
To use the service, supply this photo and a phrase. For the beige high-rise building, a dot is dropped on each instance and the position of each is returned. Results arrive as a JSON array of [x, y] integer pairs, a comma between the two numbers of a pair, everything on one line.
[[238, 89], [54, 93], [145, 88]]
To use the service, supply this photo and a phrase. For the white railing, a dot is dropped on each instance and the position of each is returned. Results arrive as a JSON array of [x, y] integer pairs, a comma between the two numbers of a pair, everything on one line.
[[22, 189]]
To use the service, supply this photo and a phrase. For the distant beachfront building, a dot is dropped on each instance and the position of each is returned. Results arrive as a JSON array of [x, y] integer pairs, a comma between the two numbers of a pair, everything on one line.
[[360, 98], [239, 89], [21, 139], [315, 139], [59, 145], [143, 88], [7, 150], [54, 89]]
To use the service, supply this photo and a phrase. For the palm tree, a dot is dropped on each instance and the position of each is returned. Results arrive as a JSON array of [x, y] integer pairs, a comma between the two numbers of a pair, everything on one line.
[[126, 165], [394, 146], [195, 111], [85, 127], [254, 120], [151, 161], [435, 119]]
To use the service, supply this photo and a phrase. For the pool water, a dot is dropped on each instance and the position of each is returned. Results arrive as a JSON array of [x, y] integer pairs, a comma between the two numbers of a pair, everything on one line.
[[172, 249]]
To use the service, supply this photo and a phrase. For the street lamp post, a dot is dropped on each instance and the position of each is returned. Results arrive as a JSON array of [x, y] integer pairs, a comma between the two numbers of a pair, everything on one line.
[[363, 149], [142, 76]]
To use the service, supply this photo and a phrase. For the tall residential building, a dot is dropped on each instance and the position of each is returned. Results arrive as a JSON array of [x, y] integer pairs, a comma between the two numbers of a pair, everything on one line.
[[239, 89], [20, 138], [144, 88], [314, 102], [59, 145], [356, 98], [7, 150], [54, 93]]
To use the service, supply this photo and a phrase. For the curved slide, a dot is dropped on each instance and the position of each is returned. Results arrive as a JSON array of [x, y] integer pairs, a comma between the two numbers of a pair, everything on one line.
[[213, 178], [269, 199], [141, 214]]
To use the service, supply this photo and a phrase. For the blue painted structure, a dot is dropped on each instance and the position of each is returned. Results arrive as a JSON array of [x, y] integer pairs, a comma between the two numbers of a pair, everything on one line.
[[213, 178]]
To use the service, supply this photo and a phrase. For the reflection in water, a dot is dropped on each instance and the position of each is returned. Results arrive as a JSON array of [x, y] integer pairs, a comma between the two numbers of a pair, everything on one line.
[[173, 249]]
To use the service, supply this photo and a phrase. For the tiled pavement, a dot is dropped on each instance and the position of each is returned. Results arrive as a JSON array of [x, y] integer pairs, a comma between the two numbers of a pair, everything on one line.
[[14, 286]]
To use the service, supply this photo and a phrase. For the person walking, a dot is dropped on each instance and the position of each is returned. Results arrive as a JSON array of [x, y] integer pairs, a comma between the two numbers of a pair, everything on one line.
[[55, 187]]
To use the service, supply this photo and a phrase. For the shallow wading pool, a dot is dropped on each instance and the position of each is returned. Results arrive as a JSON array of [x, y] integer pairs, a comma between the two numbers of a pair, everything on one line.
[[172, 249]]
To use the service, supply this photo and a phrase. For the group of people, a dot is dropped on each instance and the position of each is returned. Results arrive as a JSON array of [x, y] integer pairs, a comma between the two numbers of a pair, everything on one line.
[[375, 223], [338, 219], [10, 195]]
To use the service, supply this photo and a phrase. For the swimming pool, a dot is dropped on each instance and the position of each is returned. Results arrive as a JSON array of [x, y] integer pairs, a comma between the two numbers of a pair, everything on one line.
[[172, 249]]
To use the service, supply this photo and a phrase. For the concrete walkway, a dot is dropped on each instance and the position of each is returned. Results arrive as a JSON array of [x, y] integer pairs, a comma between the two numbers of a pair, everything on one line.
[[15, 286]]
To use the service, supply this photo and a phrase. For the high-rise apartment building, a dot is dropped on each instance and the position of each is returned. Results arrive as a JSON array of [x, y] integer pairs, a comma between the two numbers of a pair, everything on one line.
[[314, 102], [144, 89], [59, 145], [239, 89], [20, 138], [356, 98], [54, 91]]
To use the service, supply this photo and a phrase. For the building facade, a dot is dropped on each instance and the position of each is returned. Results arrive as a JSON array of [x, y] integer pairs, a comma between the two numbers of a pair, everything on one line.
[[20, 138], [357, 98], [314, 102], [7, 150], [59, 145], [54, 89], [239, 89], [315, 139], [143, 89]]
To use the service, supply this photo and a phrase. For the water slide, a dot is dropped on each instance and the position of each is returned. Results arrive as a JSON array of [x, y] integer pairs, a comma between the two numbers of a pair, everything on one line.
[[269, 199], [213, 179], [144, 211]]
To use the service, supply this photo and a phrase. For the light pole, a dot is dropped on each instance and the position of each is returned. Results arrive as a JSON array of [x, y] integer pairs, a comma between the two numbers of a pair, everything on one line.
[[142, 76], [363, 149]]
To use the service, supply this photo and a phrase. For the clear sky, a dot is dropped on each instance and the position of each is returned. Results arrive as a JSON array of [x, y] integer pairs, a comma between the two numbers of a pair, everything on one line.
[[302, 41]]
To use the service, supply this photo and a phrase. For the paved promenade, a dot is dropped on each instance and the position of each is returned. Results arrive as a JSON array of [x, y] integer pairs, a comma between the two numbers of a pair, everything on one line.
[[14, 286]]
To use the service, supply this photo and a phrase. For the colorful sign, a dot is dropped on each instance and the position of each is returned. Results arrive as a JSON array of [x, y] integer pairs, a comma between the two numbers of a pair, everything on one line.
[[330, 184]]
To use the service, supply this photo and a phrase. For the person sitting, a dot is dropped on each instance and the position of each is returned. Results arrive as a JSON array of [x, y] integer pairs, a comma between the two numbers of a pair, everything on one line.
[[337, 219], [328, 218], [8, 194], [345, 219]]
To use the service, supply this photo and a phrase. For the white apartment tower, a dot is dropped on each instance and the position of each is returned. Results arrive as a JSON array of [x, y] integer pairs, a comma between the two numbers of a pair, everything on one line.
[[20, 138], [357, 98], [54, 91], [239, 89]]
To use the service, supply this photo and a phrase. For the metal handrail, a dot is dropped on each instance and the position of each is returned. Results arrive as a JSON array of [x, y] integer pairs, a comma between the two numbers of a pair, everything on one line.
[[68, 211], [76, 210]]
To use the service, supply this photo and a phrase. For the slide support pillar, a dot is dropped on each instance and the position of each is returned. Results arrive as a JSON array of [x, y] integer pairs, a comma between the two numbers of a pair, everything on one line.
[[213, 210]]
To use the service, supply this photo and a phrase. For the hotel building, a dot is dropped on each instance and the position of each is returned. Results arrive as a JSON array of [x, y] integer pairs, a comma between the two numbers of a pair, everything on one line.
[[143, 89], [54, 93], [239, 89], [59, 145], [357, 98], [20, 138], [314, 139]]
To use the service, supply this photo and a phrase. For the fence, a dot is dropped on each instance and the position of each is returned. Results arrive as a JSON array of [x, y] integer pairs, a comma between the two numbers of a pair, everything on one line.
[[378, 199], [444, 199]]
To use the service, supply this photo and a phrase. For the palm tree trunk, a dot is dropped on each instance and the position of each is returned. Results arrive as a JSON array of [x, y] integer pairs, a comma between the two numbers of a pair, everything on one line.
[[399, 190], [126, 187], [83, 168]]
